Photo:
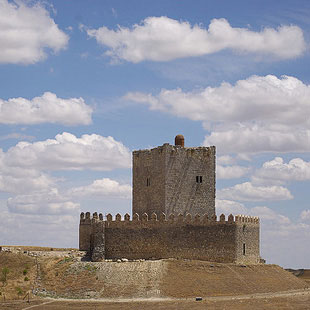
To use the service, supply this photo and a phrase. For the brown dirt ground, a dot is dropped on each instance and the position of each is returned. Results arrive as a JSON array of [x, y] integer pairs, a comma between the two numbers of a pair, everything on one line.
[[279, 303], [199, 278], [20, 267], [56, 278], [181, 281], [37, 248], [305, 276]]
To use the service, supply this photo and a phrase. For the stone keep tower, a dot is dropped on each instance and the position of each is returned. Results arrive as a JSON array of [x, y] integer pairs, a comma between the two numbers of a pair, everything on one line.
[[174, 179]]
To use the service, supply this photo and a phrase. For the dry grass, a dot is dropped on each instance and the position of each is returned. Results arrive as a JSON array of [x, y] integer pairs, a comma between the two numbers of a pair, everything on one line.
[[283, 303], [21, 268], [37, 248], [200, 278], [57, 278], [305, 276], [68, 277]]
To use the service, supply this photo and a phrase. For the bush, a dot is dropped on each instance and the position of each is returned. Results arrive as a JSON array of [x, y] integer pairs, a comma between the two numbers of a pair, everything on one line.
[[4, 275], [26, 279], [25, 272], [19, 291]]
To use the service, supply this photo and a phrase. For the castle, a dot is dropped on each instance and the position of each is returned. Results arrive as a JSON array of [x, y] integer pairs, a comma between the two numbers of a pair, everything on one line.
[[173, 213]]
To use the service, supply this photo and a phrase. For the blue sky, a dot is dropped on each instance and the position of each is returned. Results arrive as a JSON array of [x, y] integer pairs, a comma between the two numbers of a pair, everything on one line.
[[84, 83]]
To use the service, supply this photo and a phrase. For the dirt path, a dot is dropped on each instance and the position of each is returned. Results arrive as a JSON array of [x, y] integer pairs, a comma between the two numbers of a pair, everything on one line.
[[44, 303], [291, 293], [285, 300]]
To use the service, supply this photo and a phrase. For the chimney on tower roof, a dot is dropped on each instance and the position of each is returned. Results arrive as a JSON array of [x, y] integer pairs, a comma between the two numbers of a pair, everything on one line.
[[179, 140]]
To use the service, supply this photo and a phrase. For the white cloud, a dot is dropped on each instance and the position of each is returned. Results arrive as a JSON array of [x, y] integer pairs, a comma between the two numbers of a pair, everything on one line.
[[257, 98], [278, 234], [258, 114], [67, 152], [45, 109], [257, 139], [26, 32], [276, 171], [24, 172], [248, 192], [18, 180], [265, 213], [231, 172], [229, 207], [305, 215], [46, 202], [11, 182], [103, 188], [164, 39], [225, 160], [24, 168], [17, 136], [38, 229]]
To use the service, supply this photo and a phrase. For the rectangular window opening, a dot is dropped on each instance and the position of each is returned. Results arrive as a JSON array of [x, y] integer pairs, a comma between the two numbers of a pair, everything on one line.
[[199, 179], [243, 248]]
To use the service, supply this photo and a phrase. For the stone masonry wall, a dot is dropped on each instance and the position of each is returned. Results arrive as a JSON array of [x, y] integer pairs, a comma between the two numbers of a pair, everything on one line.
[[247, 240], [176, 237], [172, 171], [148, 164], [183, 194], [85, 230]]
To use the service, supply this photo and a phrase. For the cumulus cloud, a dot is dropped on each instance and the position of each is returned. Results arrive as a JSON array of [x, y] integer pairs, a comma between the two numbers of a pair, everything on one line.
[[18, 180], [248, 138], [46, 202], [31, 180], [38, 229], [265, 213], [68, 152], [17, 136], [164, 39], [26, 32], [225, 160], [54, 201], [229, 207], [231, 172], [103, 188], [248, 192], [278, 234], [25, 171], [258, 114], [305, 215], [25, 168], [277, 171], [47, 108]]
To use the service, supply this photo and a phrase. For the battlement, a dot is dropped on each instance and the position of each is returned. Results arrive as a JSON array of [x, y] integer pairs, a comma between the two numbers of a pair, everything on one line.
[[162, 219], [222, 239], [175, 148], [173, 211]]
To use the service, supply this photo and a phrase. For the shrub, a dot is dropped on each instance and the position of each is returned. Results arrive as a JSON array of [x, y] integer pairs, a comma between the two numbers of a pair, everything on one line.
[[19, 291], [25, 272], [26, 279], [4, 275]]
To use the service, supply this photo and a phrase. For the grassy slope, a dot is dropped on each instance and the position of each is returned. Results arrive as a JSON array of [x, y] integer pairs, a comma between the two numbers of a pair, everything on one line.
[[20, 266], [67, 277]]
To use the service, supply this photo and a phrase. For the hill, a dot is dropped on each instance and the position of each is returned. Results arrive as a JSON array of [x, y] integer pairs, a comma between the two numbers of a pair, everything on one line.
[[64, 274]]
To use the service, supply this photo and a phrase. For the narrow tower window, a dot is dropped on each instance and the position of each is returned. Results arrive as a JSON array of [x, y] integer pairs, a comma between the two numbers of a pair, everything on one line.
[[198, 178], [148, 181], [243, 248]]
